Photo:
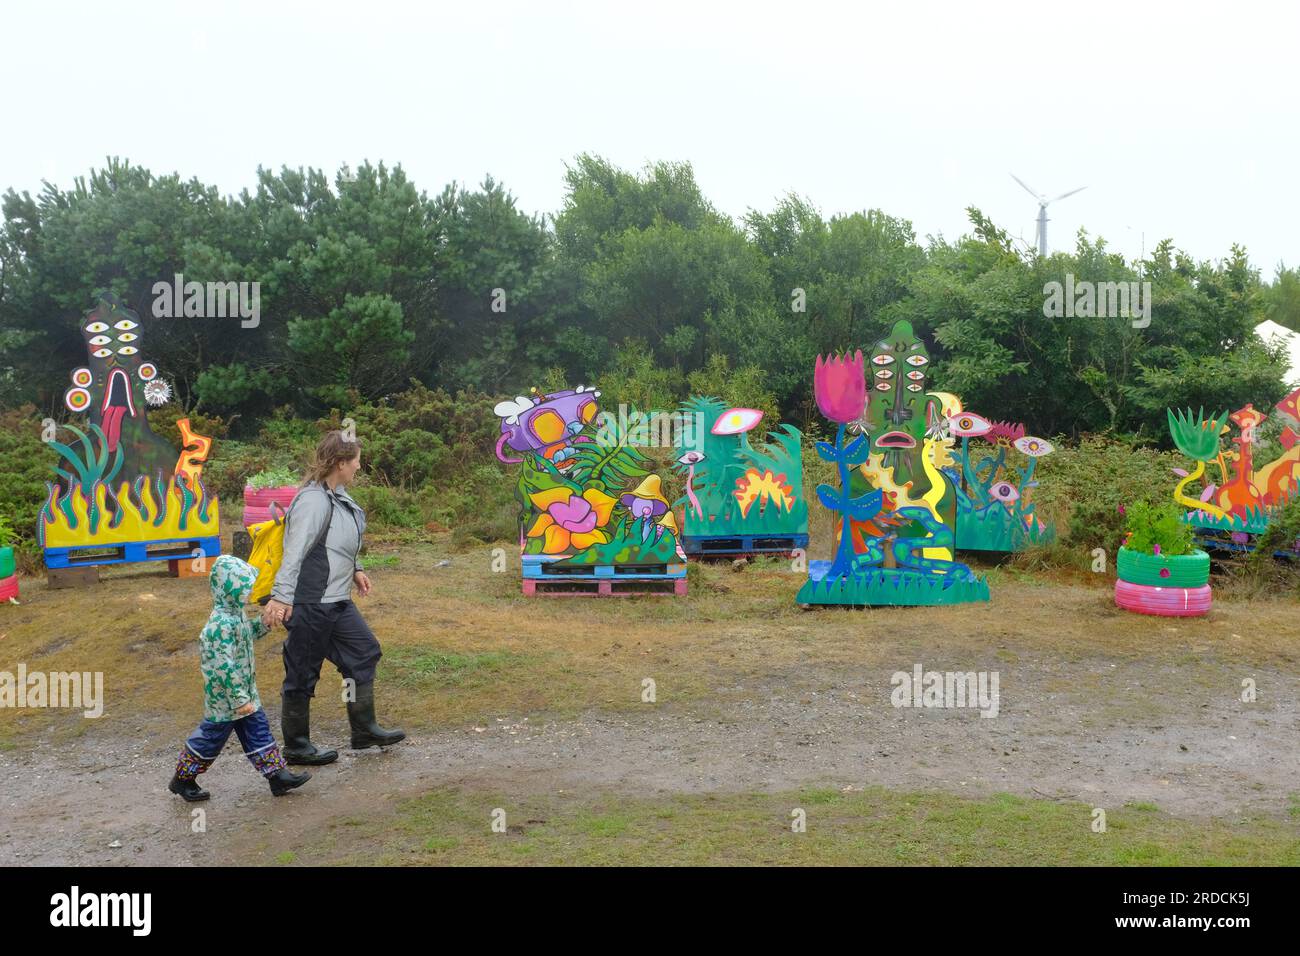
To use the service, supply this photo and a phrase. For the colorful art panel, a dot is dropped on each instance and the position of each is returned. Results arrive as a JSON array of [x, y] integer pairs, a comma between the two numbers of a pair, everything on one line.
[[740, 498], [1233, 510], [895, 505], [589, 504], [121, 490]]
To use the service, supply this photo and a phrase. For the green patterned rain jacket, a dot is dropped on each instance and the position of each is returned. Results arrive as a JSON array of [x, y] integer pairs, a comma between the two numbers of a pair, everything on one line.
[[226, 644]]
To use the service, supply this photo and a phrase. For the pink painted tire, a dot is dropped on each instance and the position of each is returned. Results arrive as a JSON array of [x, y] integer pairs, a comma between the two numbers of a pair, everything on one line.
[[9, 587], [258, 501], [1164, 602]]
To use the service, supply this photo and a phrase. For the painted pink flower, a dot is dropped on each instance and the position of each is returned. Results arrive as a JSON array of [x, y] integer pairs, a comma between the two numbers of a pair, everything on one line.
[[840, 387]]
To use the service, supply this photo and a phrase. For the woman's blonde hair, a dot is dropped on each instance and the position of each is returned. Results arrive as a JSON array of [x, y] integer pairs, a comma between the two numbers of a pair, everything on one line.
[[330, 453]]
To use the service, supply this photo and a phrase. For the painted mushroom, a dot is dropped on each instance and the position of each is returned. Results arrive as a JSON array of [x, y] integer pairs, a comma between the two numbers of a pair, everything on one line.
[[646, 503]]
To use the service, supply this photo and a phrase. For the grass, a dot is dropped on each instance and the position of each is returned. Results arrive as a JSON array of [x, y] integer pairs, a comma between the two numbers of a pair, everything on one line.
[[462, 645], [860, 827]]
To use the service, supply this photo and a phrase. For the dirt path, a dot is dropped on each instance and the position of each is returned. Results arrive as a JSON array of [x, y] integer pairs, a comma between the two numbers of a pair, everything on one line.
[[1098, 732]]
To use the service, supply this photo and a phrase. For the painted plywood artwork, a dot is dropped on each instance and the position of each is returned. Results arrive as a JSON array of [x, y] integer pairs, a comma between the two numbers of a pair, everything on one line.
[[123, 493], [896, 503], [993, 472], [1230, 512], [591, 511], [741, 497]]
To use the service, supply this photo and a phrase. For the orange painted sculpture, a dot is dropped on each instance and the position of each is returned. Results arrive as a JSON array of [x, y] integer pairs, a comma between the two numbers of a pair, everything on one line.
[[1229, 512]]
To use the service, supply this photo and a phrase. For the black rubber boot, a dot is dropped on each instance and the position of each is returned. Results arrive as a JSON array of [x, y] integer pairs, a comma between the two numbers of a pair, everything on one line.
[[187, 790], [361, 715], [295, 724], [282, 781]]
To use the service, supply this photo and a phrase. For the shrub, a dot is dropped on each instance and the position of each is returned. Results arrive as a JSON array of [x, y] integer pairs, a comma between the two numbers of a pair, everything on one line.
[[277, 477], [1157, 526], [25, 466], [1083, 487]]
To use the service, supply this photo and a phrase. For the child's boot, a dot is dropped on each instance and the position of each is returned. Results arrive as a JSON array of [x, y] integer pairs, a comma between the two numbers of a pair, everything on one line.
[[284, 780], [270, 764], [188, 766]]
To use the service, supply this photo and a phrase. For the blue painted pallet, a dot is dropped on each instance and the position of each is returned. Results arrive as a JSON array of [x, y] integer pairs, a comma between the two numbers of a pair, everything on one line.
[[722, 545], [1212, 544], [542, 566], [131, 552]]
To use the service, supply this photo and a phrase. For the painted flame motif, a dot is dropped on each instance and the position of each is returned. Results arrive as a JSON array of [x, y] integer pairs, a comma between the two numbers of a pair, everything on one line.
[[753, 486], [143, 511]]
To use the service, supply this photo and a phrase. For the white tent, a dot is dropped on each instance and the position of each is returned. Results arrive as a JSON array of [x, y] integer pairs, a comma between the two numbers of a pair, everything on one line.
[[1268, 330]]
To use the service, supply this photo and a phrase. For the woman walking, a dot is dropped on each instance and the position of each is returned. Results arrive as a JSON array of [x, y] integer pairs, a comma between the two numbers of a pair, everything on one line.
[[312, 598]]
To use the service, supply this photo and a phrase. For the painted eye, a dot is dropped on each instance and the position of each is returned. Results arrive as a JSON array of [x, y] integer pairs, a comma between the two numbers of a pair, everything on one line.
[[882, 359], [969, 425], [917, 360], [127, 337], [547, 426], [126, 325], [885, 373], [127, 350], [1005, 492], [97, 327], [587, 412], [914, 387], [916, 375], [883, 386], [1034, 447], [102, 353], [147, 371], [734, 421], [82, 377], [77, 399], [100, 340]]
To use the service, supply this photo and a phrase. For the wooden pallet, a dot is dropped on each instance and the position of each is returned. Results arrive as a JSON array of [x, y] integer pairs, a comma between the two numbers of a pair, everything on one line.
[[738, 545], [603, 587], [132, 552], [543, 575]]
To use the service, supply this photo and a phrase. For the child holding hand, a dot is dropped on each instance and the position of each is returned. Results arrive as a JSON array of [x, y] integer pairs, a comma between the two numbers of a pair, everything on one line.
[[230, 700]]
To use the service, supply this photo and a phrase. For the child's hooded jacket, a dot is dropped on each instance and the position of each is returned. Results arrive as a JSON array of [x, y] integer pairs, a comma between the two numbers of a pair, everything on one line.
[[226, 644]]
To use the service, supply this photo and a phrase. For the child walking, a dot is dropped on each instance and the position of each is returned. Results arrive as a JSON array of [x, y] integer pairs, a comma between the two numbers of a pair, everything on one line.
[[230, 700]]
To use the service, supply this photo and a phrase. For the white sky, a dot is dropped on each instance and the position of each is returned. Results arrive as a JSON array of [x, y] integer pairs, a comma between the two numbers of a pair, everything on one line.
[[1180, 118]]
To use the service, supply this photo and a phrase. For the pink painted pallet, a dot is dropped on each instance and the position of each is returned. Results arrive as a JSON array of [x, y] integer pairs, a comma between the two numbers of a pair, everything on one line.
[[603, 587]]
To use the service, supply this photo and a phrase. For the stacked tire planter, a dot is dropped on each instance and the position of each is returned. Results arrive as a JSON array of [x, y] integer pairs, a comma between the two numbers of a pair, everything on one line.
[[8, 575], [258, 501], [1168, 586]]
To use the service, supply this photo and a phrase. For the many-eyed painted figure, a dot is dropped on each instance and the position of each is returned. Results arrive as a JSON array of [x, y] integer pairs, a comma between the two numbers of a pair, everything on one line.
[[895, 505], [123, 493]]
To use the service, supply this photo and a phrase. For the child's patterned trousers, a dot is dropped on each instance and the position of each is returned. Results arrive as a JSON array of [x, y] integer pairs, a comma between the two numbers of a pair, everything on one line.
[[204, 745]]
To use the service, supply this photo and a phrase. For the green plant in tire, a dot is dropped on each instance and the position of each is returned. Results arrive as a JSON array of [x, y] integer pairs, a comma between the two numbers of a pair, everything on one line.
[[273, 478], [1157, 529], [1159, 552]]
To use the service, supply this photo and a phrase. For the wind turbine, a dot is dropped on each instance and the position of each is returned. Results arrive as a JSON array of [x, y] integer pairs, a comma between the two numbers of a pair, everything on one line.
[[1043, 203]]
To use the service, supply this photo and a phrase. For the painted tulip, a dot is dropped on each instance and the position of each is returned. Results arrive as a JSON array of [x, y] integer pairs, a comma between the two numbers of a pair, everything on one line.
[[840, 387]]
